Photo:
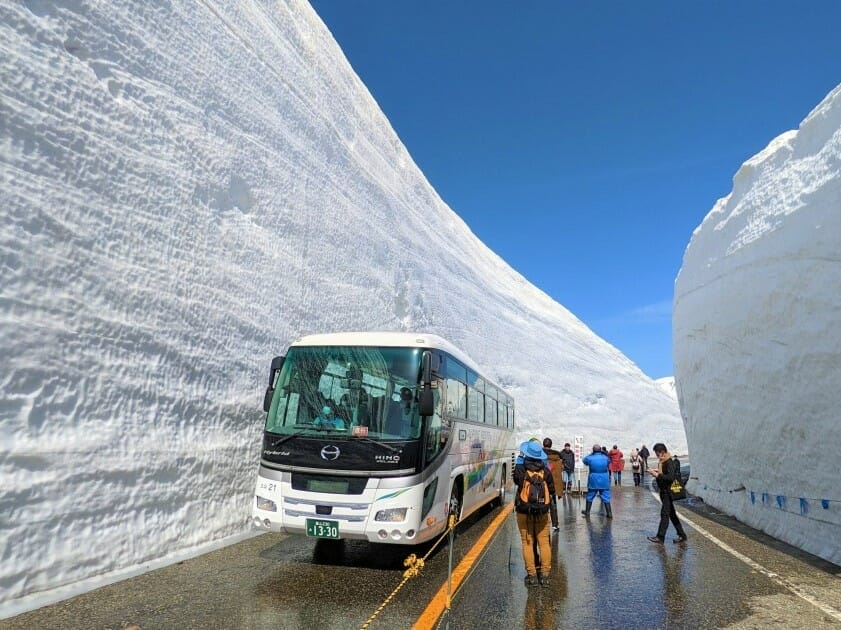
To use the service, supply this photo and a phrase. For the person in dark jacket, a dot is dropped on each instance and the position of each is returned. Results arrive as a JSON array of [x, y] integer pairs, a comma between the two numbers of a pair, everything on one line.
[[568, 458], [665, 473], [644, 455], [534, 528], [598, 481]]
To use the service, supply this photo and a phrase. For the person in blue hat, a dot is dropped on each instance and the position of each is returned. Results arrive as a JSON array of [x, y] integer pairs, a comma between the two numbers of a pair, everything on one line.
[[598, 481], [328, 420], [519, 459], [533, 522]]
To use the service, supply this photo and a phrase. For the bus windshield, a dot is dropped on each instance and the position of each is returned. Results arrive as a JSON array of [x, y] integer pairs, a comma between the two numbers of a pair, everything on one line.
[[360, 392]]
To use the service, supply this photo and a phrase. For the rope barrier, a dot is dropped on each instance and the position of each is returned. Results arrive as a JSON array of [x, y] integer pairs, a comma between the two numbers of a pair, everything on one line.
[[414, 566]]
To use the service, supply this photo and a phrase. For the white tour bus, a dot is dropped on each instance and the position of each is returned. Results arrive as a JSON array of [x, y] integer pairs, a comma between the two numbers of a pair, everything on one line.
[[378, 436]]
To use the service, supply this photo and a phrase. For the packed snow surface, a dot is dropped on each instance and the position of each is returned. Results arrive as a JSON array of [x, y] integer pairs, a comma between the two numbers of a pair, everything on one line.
[[667, 384], [187, 187], [757, 334]]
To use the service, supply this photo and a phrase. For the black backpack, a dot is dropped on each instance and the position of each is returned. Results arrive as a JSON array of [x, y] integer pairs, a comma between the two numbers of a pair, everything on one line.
[[533, 497]]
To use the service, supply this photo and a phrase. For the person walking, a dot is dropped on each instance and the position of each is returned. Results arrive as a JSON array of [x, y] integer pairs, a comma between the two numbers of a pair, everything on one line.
[[556, 467], [598, 480], [616, 464], [568, 458], [636, 466], [644, 455], [532, 522], [665, 473]]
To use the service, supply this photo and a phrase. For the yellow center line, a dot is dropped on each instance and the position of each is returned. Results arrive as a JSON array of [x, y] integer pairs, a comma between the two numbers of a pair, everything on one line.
[[429, 617]]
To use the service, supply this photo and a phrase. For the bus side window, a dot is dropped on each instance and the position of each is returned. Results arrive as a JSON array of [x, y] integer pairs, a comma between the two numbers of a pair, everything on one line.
[[434, 442], [456, 398]]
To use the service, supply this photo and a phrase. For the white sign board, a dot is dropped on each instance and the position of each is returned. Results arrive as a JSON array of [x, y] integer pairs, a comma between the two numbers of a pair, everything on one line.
[[577, 448]]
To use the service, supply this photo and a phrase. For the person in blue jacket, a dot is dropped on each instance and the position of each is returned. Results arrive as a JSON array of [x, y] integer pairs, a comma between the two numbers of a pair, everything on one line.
[[598, 481]]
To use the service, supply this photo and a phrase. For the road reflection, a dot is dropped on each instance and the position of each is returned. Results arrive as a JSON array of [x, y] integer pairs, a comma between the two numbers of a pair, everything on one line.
[[674, 591]]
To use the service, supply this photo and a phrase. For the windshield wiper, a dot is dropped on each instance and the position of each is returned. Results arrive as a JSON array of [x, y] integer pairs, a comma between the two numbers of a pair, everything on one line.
[[283, 439], [383, 444]]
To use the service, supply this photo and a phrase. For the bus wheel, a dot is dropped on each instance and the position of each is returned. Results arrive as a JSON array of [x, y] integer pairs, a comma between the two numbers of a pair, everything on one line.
[[455, 502], [499, 500]]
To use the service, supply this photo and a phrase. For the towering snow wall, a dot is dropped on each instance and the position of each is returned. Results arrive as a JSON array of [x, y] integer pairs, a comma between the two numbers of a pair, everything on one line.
[[757, 334], [186, 188]]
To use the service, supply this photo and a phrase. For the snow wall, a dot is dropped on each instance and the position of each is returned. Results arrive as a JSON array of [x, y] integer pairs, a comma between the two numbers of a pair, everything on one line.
[[186, 188], [757, 340]]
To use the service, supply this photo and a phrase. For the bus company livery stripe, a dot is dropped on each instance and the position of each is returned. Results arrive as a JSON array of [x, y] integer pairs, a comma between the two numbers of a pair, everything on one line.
[[393, 494]]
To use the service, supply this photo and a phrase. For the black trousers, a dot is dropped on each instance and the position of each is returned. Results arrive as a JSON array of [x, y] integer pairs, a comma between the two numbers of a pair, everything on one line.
[[667, 513]]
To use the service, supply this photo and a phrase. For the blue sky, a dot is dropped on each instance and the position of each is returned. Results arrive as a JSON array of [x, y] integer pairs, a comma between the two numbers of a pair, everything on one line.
[[584, 142]]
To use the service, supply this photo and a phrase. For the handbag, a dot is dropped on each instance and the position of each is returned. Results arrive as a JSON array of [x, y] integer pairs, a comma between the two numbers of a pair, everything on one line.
[[677, 490]]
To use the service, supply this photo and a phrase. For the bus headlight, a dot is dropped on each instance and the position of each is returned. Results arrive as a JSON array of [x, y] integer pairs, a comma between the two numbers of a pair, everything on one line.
[[266, 504], [392, 515]]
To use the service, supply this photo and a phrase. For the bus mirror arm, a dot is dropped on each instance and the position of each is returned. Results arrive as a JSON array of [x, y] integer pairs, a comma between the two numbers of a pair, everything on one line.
[[426, 368], [274, 370]]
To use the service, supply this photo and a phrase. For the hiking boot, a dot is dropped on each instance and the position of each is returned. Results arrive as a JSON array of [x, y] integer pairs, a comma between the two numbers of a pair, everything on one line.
[[655, 539], [531, 580], [680, 539], [545, 581]]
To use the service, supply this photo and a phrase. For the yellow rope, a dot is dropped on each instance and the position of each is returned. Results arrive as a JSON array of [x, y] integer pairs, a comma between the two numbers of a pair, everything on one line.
[[414, 565]]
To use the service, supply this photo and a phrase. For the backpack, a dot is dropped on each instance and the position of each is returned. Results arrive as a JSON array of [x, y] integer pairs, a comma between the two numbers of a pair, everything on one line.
[[533, 497]]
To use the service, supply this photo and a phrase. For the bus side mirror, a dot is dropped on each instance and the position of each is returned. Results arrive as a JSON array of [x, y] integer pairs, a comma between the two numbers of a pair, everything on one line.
[[274, 370], [426, 401]]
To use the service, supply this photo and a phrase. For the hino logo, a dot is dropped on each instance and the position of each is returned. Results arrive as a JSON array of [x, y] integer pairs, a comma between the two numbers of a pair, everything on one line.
[[387, 459], [330, 452]]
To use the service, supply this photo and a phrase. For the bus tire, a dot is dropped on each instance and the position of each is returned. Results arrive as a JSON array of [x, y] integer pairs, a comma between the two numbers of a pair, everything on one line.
[[455, 500], [499, 500]]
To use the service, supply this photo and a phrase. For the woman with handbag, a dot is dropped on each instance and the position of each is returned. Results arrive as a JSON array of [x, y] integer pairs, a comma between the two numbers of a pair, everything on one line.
[[667, 475]]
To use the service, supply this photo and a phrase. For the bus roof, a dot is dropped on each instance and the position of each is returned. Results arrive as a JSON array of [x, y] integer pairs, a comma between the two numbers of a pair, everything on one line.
[[390, 339]]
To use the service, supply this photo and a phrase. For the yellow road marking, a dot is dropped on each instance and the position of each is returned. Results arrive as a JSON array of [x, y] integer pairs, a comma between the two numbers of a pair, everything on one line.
[[436, 607]]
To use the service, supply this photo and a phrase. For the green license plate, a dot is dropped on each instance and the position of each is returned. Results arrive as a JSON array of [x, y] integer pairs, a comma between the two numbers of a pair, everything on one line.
[[322, 529]]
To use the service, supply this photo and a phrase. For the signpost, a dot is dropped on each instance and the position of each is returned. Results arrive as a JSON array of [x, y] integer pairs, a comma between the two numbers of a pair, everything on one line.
[[578, 446]]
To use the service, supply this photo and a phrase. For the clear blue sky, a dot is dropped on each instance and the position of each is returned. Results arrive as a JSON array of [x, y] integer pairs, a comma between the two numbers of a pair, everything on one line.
[[583, 142]]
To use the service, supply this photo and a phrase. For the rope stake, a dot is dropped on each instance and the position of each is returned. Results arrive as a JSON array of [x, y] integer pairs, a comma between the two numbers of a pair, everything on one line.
[[414, 566]]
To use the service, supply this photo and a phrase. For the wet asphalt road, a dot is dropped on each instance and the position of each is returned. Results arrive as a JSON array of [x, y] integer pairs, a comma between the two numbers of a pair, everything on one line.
[[605, 575]]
